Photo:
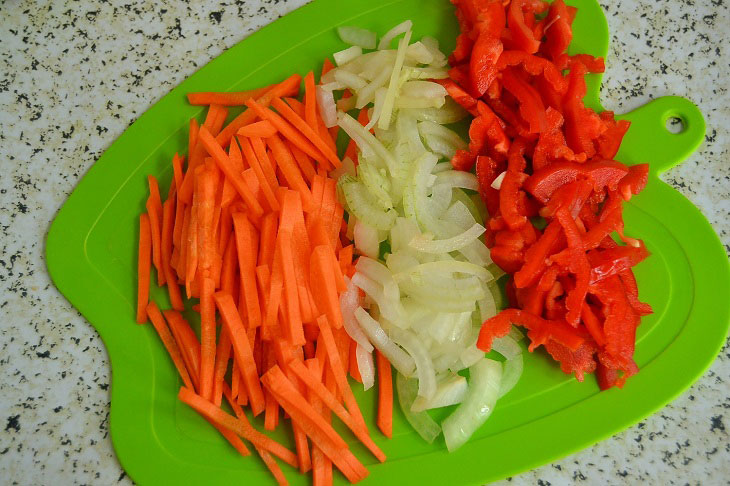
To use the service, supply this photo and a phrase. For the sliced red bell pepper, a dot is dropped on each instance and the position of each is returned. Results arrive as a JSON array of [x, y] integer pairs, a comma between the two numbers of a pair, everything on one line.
[[486, 170], [531, 108], [632, 293], [462, 51], [578, 266], [508, 195], [507, 258], [457, 93], [536, 256], [544, 330], [482, 65], [635, 181], [610, 262], [558, 32], [522, 36], [579, 361]]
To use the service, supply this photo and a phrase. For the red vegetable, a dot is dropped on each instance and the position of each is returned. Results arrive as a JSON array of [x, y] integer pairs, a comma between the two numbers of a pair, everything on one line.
[[571, 285]]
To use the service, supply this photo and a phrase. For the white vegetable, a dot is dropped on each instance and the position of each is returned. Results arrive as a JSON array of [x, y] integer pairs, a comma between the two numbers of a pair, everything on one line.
[[357, 37], [346, 55], [366, 239], [401, 28], [484, 378], [424, 367], [349, 301], [327, 107], [448, 392], [421, 422], [365, 366], [384, 121], [497, 182], [400, 360], [427, 245]]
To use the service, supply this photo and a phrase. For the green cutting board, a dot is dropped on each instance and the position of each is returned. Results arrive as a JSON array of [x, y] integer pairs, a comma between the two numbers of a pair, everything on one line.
[[91, 254]]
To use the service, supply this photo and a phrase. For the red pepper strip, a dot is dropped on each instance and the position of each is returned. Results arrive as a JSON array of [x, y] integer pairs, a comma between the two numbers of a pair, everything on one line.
[[610, 140], [531, 299], [499, 326], [591, 63], [552, 295], [592, 324], [507, 258], [498, 141], [634, 182], [486, 171], [462, 51], [632, 293], [578, 265], [610, 262], [531, 108], [572, 196], [463, 159], [508, 195], [544, 181], [581, 124], [620, 322], [536, 255], [460, 74], [607, 377], [579, 361], [547, 281], [467, 101], [535, 66], [491, 17], [558, 32], [482, 69], [522, 36]]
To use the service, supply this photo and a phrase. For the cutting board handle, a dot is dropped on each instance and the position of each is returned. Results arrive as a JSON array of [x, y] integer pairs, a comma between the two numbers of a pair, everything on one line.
[[652, 142]]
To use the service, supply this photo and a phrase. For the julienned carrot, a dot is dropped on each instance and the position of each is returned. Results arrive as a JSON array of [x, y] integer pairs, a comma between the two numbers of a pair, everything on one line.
[[235, 98], [244, 429], [222, 356], [143, 267], [321, 433], [242, 350], [316, 386], [154, 210], [246, 267], [206, 214], [304, 163], [187, 343], [310, 101], [324, 287], [224, 163], [169, 342], [268, 239], [262, 129], [319, 460], [310, 133], [267, 167], [291, 171], [255, 164], [338, 370], [288, 131], [228, 274], [168, 209], [385, 395], [207, 337], [294, 331], [177, 169], [288, 87]]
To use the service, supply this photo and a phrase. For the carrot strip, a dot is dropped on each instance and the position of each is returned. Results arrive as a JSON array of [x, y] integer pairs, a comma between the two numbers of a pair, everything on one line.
[[178, 224], [266, 166], [327, 66], [289, 168], [271, 413], [222, 356], [218, 114], [177, 169], [224, 163], [304, 163], [288, 131], [276, 287], [192, 140], [192, 243], [268, 239], [169, 342], [206, 214], [154, 210], [246, 267], [310, 133], [385, 395], [323, 284], [237, 425], [242, 350], [321, 433], [310, 101], [334, 359], [235, 98], [288, 87], [207, 337], [262, 129], [267, 189], [144, 256], [172, 287], [228, 273], [187, 342], [294, 330], [318, 388], [319, 460]]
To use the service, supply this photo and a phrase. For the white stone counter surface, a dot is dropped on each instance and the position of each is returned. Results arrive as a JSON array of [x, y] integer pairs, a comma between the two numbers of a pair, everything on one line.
[[75, 74]]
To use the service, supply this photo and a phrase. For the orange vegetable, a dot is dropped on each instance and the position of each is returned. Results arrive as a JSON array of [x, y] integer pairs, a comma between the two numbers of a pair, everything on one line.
[[143, 268], [235, 98]]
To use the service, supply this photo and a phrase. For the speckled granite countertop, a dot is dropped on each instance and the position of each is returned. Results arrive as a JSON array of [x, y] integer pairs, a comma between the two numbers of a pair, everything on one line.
[[74, 75]]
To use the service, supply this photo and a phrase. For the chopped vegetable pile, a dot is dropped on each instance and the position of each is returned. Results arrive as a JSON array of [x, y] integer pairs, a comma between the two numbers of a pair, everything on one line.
[[428, 292], [554, 194], [252, 228]]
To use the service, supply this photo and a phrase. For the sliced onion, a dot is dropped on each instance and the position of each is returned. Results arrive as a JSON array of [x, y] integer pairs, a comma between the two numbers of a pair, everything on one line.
[[448, 392], [349, 301], [366, 239], [346, 55], [400, 360], [422, 243], [401, 28], [365, 366], [357, 37], [424, 367], [393, 86], [477, 406], [421, 422], [327, 106]]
